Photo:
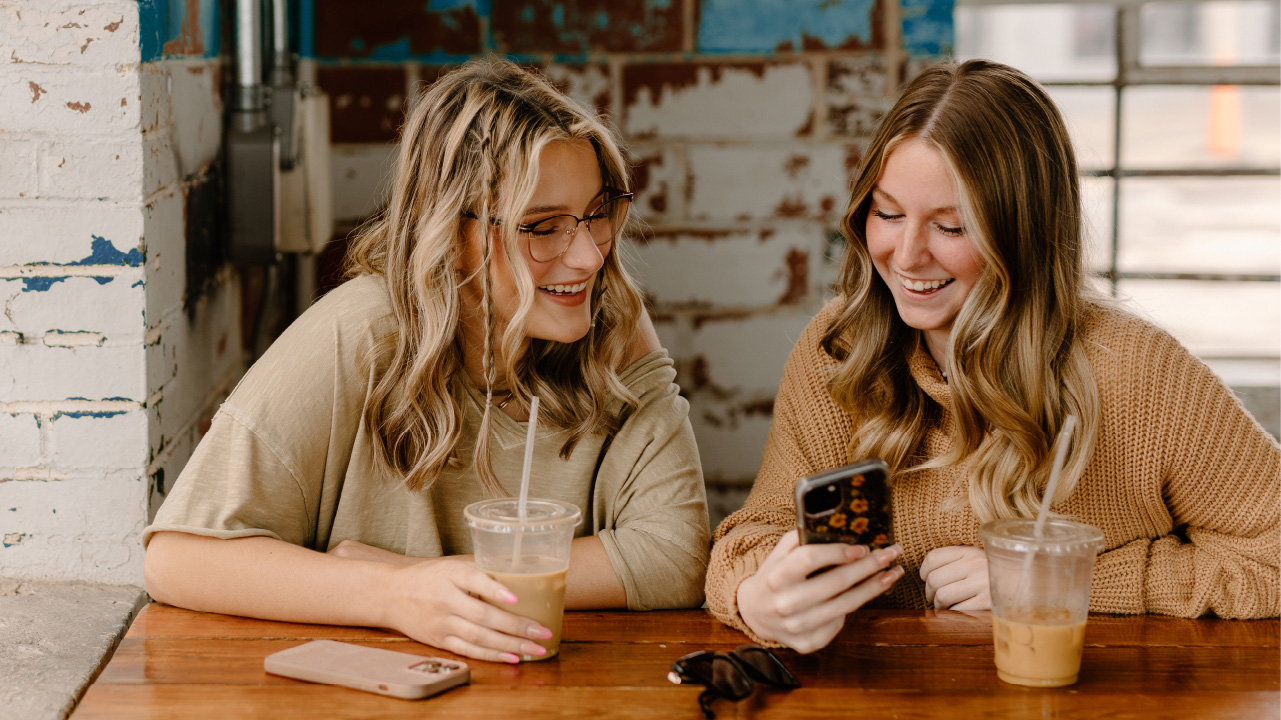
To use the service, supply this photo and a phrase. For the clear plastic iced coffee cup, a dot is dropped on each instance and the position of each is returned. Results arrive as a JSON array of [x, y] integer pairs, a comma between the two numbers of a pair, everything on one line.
[[529, 555], [1040, 597]]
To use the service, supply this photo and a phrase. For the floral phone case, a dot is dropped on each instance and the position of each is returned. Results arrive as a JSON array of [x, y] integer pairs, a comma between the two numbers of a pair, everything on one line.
[[849, 504]]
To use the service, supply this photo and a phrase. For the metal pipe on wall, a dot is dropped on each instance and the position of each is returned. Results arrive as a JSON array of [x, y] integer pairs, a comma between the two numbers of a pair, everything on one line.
[[249, 89]]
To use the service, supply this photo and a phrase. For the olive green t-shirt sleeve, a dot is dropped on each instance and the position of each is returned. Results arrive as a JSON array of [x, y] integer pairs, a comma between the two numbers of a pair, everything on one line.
[[650, 504], [234, 486], [276, 454]]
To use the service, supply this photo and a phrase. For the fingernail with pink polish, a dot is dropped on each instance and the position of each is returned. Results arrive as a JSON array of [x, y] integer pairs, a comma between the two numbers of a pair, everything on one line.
[[509, 658], [539, 633], [510, 598], [532, 649]]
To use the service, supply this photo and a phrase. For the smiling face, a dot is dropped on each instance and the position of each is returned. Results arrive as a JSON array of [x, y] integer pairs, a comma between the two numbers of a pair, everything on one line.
[[569, 182], [918, 243]]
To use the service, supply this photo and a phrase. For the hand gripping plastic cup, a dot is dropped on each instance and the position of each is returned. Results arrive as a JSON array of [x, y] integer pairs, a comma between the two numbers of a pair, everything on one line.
[[1040, 597], [529, 555]]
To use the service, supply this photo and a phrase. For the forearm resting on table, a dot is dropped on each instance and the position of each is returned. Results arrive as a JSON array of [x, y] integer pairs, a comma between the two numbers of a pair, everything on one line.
[[590, 585], [264, 578]]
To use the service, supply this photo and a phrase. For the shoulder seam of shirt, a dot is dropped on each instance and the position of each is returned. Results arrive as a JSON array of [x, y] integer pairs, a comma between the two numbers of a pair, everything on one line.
[[272, 447]]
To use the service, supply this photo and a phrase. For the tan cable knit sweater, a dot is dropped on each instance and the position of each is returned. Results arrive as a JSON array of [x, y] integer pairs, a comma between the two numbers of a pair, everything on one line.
[[1184, 484]]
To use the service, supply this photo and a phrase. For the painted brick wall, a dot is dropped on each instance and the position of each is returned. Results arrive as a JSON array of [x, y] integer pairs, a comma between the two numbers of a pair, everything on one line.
[[110, 360], [746, 119]]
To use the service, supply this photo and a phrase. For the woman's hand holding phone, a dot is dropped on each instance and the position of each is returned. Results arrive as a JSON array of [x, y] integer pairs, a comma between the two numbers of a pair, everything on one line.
[[445, 603], [785, 601]]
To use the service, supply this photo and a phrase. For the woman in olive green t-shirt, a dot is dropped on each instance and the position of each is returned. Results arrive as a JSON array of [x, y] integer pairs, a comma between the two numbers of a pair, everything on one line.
[[345, 456]]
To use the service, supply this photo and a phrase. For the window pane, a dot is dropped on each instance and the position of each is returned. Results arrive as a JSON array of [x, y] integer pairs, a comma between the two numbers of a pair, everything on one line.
[[1090, 114], [1238, 32], [1096, 205], [1209, 224], [1017, 35], [1212, 318], [1165, 126]]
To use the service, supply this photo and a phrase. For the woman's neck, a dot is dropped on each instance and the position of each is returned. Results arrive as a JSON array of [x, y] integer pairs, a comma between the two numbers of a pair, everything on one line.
[[474, 366], [936, 343]]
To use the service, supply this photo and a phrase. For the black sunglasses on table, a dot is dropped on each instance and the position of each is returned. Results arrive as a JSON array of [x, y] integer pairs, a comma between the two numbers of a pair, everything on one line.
[[732, 675]]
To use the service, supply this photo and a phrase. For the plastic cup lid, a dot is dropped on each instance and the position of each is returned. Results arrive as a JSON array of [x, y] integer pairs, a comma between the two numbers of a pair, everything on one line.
[[1060, 536], [502, 515]]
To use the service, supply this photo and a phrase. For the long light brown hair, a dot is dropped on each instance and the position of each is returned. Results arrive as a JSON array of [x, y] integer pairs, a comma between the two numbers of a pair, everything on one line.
[[1017, 366], [471, 146]]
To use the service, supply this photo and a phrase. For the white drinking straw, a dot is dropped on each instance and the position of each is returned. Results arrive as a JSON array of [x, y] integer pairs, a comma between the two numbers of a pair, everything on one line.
[[1038, 530], [524, 475]]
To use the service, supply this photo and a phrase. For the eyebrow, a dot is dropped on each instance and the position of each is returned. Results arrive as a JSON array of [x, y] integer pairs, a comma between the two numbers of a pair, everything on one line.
[[558, 208], [949, 209]]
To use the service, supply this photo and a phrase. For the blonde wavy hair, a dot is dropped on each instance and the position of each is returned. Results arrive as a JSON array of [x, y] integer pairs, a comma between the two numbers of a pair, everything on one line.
[[471, 145], [1017, 365]]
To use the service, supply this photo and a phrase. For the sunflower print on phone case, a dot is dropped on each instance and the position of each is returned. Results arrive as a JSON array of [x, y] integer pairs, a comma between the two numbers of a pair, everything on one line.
[[860, 519]]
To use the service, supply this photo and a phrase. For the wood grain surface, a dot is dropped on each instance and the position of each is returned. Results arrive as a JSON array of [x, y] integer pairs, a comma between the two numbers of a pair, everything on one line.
[[886, 663]]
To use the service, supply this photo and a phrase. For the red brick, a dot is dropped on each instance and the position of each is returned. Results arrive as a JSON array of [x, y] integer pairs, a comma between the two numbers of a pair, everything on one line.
[[393, 30], [366, 104], [558, 26]]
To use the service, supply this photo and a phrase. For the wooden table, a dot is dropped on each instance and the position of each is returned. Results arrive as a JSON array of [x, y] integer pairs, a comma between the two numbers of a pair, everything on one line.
[[906, 664]]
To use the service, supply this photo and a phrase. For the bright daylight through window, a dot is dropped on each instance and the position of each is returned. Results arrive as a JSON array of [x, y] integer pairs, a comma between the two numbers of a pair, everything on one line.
[[1175, 111]]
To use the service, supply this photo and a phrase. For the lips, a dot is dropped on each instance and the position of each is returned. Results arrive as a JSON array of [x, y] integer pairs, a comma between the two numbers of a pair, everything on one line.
[[925, 287], [563, 290]]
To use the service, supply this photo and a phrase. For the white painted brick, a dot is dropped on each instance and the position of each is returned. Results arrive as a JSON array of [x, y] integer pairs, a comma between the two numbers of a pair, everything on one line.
[[102, 170], [56, 101], [192, 359], [58, 32], [361, 178], [159, 162], [166, 233], [80, 441], [83, 304], [726, 101], [19, 441], [31, 372], [153, 88], [85, 528], [743, 182], [61, 235], [660, 183], [197, 112], [752, 268], [589, 85], [18, 175], [747, 354], [168, 464], [731, 436]]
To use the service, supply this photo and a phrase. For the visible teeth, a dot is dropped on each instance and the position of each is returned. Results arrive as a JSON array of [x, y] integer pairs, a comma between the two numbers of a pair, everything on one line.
[[564, 289], [923, 285]]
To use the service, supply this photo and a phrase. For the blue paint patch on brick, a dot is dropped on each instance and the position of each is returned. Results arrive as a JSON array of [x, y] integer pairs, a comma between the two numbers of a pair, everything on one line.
[[768, 25], [40, 284], [102, 252], [927, 27], [140, 283], [163, 21], [392, 52], [74, 414], [12, 539]]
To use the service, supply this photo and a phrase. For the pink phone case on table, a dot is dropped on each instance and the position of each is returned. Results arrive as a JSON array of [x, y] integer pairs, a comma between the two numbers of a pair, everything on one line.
[[385, 672]]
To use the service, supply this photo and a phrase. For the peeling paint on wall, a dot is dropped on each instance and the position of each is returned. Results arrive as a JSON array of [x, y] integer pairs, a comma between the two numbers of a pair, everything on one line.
[[789, 25], [11, 539]]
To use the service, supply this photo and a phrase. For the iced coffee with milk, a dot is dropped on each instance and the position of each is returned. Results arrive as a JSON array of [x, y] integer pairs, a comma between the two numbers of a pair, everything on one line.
[[528, 554], [1040, 597]]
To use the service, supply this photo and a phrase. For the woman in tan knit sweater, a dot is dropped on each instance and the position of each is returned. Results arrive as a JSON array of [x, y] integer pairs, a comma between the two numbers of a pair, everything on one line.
[[963, 335]]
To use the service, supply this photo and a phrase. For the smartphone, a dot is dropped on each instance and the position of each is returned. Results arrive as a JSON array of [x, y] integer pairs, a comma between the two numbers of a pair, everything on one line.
[[848, 504], [385, 672]]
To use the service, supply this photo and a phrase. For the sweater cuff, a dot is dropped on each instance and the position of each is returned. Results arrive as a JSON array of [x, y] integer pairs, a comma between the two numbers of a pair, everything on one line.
[[1120, 579], [722, 600]]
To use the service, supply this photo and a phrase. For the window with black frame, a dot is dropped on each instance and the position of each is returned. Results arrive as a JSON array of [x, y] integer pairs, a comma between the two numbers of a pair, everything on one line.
[[1175, 109]]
